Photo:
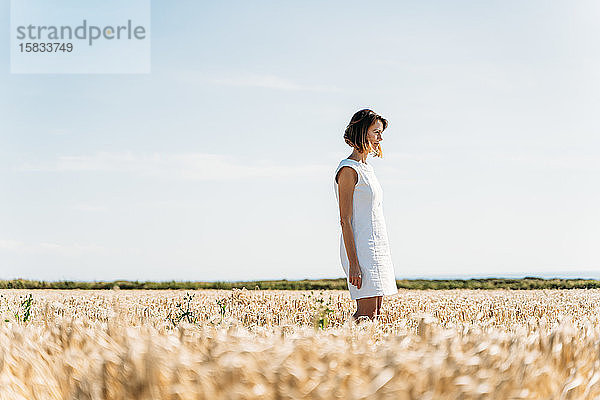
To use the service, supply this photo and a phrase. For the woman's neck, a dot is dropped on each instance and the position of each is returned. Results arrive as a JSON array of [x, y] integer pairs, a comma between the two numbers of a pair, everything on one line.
[[361, 157]]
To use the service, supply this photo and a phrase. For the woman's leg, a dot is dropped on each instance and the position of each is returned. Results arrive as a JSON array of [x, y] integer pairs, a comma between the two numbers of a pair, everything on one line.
[[367, 306]]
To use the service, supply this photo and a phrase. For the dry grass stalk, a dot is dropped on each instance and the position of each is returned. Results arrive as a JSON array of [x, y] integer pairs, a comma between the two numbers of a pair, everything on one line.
[[243, 344]]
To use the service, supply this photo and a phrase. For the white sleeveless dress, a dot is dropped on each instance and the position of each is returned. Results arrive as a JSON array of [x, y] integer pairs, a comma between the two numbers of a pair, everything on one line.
[[370, 235]]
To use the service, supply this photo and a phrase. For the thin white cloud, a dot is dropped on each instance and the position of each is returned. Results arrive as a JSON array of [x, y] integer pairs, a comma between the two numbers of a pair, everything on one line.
[[583, 162], [59, 131], [395, 155], [69, 250], [89, 207], [246, 79], [186, 166], [11, 244]]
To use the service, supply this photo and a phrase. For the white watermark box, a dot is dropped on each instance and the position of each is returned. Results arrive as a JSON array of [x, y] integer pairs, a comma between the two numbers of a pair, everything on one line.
[[74, 36]]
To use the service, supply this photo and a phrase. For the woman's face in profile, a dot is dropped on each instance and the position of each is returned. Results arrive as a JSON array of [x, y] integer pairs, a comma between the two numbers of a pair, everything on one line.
[[374, 133]]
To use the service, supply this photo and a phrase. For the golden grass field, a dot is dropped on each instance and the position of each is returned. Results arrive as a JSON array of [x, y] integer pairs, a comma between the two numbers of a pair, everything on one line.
[[243, 344]]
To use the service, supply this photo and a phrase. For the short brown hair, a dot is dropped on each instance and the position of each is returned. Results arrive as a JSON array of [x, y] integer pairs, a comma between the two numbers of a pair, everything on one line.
[[356, 131]]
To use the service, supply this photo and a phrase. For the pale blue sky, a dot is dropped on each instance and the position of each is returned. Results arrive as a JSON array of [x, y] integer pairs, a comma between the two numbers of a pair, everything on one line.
[[219, 164]]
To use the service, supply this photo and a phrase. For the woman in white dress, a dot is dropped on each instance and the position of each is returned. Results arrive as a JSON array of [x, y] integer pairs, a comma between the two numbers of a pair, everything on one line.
[[364, 249]]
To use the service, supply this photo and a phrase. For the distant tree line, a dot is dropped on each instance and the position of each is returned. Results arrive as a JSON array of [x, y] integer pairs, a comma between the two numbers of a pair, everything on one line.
[[309, 284]]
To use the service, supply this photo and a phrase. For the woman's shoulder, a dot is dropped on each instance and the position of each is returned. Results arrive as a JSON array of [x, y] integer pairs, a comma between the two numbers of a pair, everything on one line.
[[347, 163]]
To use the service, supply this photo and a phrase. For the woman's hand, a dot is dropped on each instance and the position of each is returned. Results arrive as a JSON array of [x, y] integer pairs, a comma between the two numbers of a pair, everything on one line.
[[355, 276]]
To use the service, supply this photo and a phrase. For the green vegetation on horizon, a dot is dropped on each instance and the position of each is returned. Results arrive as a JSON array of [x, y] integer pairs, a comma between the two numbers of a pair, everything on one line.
[[317, 284]]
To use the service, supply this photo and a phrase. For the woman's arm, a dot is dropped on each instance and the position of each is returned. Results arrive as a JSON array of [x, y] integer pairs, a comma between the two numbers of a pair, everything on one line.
[[347, 179]]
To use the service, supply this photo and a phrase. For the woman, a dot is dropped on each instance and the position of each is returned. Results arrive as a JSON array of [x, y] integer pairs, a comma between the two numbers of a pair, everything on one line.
[[364, 248]]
